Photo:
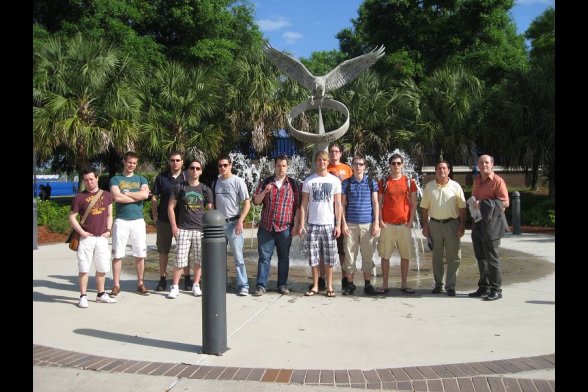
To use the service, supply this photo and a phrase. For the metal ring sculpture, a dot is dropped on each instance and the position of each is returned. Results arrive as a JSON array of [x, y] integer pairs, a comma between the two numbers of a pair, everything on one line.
[[310, 137]]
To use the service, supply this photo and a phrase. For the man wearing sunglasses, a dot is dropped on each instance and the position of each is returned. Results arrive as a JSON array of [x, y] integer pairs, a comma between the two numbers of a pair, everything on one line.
[[187, 204], [397, 198], [229, 192], [162, 188]]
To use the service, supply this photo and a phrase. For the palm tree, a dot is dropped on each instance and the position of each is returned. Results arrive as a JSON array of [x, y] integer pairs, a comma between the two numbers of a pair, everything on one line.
[[84, 100], [524, 113], [176, 105], [446, 112], [253, 103], [373, 125]]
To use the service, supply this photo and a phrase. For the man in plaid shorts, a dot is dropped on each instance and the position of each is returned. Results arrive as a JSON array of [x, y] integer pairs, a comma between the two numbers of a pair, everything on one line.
[[192, 199], [321, 201]]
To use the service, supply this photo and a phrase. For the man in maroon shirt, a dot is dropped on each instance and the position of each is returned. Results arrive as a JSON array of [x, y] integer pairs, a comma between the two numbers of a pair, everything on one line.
[[280, 196], [94, 235]]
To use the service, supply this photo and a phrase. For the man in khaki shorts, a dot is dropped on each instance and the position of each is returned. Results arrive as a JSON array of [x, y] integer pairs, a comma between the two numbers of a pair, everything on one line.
[[361, 224], [397, 198]]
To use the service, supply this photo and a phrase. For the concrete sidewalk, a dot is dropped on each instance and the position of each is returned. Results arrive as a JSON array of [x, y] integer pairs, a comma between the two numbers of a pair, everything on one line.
[[398, 342]]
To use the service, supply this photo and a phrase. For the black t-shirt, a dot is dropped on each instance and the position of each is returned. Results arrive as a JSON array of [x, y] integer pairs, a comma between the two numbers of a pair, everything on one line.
[[191, 205]]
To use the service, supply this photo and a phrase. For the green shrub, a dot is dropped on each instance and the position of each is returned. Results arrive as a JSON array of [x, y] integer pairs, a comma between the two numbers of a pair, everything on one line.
[[53, 215], [254, 214]]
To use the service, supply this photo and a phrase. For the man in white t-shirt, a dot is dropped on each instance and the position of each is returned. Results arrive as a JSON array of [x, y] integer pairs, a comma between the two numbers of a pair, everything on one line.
[[321, 203]]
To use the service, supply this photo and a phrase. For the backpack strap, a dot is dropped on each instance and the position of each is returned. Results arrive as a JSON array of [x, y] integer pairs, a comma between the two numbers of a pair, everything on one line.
[[214, 192]]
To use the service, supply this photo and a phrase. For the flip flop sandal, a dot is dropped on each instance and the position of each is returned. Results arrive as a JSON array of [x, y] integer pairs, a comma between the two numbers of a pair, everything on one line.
[[310, 293], [383, 291], [407, 290], [331, 294]]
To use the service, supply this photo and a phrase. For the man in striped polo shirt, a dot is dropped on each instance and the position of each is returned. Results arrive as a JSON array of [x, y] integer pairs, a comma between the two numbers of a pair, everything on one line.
[[361, 224]]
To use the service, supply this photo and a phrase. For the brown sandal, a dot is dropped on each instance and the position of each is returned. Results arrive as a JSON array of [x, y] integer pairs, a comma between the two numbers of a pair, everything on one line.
[[331, 294]]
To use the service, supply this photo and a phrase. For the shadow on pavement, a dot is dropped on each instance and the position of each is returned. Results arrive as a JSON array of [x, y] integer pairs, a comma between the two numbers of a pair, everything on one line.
[[120, 337]]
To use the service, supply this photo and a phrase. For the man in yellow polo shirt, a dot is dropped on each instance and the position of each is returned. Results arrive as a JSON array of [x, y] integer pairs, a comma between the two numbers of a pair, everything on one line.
[[444, 212]]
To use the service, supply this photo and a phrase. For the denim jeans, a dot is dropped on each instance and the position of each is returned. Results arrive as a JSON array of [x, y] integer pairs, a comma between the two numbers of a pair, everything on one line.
[[266, 241], [236, 243]]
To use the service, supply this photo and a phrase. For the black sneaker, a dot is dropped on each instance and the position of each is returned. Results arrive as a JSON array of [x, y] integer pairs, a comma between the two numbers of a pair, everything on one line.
[[369, 290], [481, 292], [451, 292], [351, 287], [188, 284], [437, 290], [162, 285], [493, 296], [344, 283]]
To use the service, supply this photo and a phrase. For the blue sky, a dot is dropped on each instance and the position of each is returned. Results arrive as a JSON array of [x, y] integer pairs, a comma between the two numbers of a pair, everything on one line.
[[304, 26]]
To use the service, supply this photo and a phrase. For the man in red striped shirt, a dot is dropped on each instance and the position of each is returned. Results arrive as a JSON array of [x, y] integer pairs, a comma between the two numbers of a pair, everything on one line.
[[280, 196]]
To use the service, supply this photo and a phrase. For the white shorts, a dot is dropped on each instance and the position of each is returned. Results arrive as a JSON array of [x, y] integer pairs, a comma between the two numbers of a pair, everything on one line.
[[122, 230], [93, 250]]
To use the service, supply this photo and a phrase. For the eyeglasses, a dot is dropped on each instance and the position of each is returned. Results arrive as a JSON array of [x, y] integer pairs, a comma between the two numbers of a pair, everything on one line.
[[396, 163], [334, 152], [195, 168], [175, 160], [223, 165], [358, 163]]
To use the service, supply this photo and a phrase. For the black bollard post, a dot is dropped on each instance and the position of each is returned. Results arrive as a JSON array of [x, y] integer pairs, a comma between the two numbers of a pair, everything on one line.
[[214, 278], [516, 212], [35, 223]]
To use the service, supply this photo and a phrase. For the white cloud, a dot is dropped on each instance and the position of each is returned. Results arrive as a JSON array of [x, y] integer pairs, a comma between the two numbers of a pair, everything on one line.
[[291, 37], [531, 2], [274, 24]]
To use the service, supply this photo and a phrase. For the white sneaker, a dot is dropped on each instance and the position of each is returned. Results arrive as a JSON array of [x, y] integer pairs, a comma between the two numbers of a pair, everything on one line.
[[106, 299], [83, 302], [196, 290], [174, 292], [244, 292]]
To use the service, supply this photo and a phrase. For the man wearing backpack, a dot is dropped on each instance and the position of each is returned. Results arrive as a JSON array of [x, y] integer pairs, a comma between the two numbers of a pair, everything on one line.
[[192, 199], [360, 226], [280, 196], [397, 196]]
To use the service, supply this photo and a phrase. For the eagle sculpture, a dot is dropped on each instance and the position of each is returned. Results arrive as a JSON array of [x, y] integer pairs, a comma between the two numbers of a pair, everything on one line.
[[320, 85]]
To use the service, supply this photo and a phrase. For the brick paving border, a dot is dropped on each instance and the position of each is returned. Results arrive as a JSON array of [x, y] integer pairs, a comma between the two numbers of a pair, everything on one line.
[[488, 376]]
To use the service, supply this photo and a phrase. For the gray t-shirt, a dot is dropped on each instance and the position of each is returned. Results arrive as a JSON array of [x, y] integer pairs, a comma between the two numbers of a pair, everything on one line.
[[230, 193]]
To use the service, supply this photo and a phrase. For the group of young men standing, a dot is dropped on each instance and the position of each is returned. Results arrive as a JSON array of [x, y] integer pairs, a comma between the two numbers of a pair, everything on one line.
[[340, 209]]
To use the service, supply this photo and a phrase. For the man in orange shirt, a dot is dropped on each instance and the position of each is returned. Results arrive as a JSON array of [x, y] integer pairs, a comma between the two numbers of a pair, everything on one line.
[[491, 196], [397, 198], [342, 171]]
